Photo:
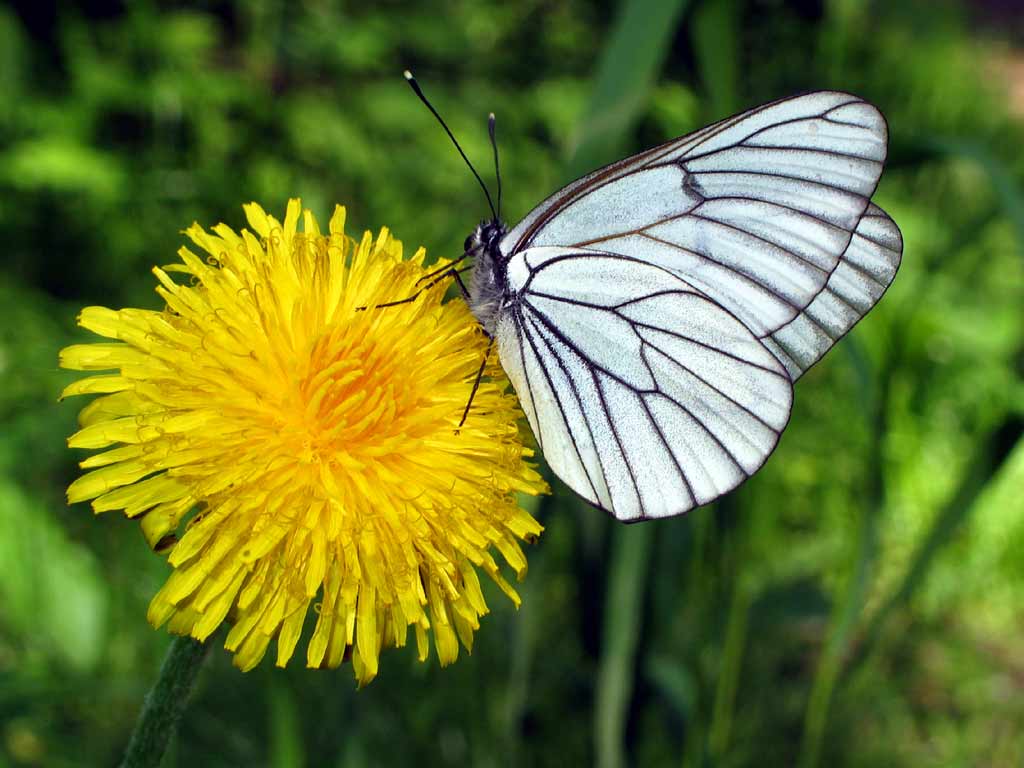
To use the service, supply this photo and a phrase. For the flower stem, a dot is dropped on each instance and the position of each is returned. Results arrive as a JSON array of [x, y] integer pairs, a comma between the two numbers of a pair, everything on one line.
[[165, 703]]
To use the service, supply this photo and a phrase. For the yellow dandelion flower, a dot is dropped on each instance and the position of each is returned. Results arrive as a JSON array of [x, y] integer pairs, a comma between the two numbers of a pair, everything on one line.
[[307, 449]]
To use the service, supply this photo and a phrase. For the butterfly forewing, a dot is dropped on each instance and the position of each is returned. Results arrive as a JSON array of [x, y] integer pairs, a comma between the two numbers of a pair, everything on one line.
[[755, 211]]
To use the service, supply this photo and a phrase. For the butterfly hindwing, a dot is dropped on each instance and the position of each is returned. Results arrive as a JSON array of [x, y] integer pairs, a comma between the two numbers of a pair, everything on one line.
[[646, 397], [855, 286]]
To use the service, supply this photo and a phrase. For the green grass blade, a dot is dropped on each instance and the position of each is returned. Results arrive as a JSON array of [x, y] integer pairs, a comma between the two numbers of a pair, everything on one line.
[[716, 42], [844, 623], [846, 616], [627, 69], [627, 581], [729, 674]]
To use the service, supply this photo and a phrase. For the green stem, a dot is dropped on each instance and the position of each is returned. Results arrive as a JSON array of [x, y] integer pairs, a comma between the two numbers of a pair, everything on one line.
[[623, 613], [165, 703], [729, 675], [844, 621], [847, 614]]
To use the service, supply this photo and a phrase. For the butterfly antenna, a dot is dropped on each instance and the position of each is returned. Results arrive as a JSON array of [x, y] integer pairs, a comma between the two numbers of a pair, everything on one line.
[[494, 146], [419, 92]]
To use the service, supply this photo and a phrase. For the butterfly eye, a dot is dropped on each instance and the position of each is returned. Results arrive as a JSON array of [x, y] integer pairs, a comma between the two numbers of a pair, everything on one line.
[[468, 245]]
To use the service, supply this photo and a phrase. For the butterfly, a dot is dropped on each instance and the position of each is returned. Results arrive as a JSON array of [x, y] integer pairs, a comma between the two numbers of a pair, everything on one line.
[[654, 314]]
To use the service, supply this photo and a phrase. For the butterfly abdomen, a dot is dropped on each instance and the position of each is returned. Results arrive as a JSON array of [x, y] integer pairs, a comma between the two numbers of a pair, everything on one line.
[[486, 291]]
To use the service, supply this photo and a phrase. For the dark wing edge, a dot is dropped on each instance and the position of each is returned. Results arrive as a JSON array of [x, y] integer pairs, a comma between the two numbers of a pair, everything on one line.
[[860, 279]]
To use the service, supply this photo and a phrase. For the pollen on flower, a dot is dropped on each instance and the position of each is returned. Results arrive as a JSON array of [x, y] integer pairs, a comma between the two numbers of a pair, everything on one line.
[[286, 447]]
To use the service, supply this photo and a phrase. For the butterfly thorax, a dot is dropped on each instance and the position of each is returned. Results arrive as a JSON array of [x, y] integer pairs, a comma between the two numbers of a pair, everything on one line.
[[488, 288]]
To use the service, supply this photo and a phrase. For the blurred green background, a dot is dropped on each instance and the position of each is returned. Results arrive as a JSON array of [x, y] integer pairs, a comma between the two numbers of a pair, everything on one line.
[[860, 602]]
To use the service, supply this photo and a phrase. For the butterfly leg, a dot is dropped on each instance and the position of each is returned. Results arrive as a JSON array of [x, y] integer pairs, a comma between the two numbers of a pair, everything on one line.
[[476, 382], [444, 275], [457, 274], [443, 271]]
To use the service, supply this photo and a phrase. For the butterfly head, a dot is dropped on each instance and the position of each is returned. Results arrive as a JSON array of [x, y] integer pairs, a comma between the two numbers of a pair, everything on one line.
[[486, 238]]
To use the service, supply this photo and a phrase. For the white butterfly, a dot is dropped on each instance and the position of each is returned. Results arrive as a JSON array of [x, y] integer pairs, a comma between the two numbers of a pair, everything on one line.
[[654, 314]]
